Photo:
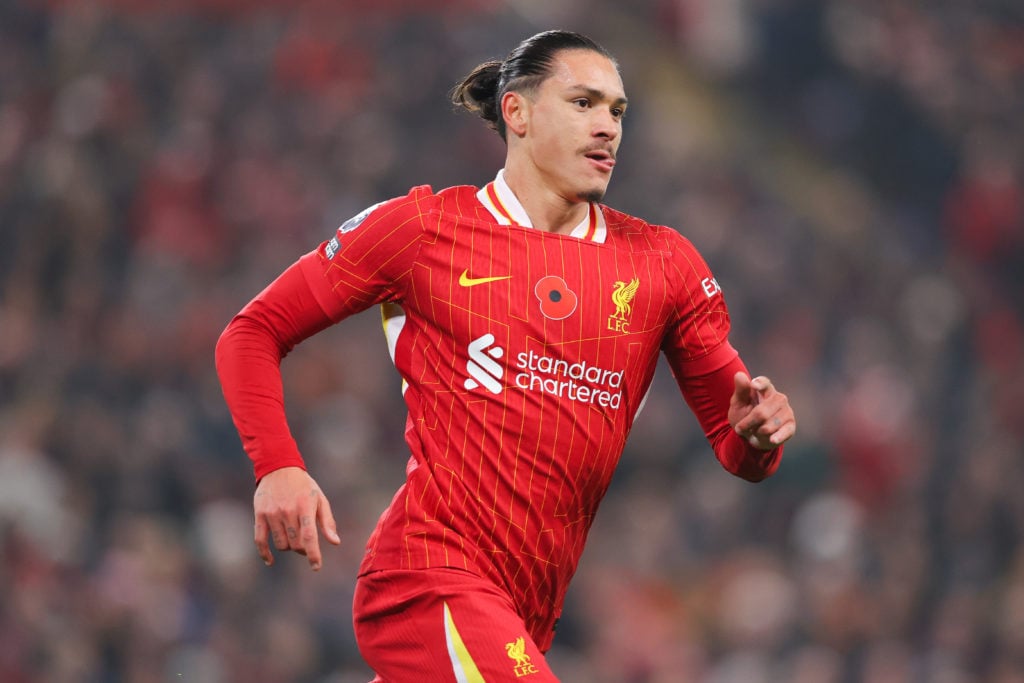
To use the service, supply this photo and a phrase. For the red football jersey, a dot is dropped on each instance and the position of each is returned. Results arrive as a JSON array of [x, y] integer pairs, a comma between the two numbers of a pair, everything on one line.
[[525, 357]]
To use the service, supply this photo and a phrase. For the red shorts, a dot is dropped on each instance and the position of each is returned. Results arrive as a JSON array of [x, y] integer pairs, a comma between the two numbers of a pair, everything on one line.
[[442, 625]]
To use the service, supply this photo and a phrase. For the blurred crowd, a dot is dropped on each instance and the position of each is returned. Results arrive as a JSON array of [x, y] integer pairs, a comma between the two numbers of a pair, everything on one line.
[[851, 169]]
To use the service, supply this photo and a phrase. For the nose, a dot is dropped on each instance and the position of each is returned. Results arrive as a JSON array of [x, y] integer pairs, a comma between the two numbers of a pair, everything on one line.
[[606, 125]]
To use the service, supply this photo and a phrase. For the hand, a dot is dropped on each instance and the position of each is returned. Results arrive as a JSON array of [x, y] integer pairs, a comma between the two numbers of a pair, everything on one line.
[[759, 413], [289, 506]]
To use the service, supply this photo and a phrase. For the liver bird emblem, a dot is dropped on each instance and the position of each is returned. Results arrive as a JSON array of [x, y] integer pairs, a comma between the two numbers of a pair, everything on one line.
[[517, 650], [622, 297]]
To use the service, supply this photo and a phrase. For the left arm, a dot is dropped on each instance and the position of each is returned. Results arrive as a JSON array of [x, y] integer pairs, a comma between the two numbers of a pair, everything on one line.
[[745, 420]]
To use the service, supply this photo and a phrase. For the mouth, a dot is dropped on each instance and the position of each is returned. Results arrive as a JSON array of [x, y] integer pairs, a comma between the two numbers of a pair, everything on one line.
[[602, 159]]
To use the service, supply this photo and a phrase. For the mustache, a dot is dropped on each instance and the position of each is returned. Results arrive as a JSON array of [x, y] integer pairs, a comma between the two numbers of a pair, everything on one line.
[[599, 147]]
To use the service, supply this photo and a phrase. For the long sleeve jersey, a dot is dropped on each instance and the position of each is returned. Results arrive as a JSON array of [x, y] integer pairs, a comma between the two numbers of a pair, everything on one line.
[[525, 356]]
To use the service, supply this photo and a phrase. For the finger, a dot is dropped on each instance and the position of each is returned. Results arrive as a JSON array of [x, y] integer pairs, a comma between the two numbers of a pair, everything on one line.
[[752, 423], [294, 535], [771, 416], [763, 386], [262, 547], [784, 433], [279, 534], [747, 427], [325, 518], [768, 427], [309, 541], [773, 404], [741, 381], [784, 429], [744, 393], [773, 430]]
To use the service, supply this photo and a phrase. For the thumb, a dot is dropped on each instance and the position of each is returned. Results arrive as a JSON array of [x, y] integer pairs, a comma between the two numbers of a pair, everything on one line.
[[743, 392]]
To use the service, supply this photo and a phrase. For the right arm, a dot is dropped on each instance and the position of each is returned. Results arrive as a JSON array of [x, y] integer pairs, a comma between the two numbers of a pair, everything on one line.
[[365, 263], [288, 504]]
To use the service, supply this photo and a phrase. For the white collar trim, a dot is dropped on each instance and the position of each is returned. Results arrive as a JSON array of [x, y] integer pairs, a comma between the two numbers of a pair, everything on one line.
[[511, 205]]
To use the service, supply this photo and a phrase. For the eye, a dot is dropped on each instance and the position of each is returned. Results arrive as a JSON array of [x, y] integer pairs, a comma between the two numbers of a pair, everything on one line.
[[618, 112], [582, 102]]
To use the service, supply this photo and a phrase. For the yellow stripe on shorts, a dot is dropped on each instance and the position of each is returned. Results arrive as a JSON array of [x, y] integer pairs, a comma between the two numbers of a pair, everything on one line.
[[463, 665]]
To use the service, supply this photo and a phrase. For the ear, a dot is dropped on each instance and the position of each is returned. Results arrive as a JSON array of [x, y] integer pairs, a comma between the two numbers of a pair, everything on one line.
[[516, 111]]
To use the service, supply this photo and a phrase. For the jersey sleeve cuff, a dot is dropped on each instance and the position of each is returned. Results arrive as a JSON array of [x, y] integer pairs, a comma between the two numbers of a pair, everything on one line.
[[263, 468]]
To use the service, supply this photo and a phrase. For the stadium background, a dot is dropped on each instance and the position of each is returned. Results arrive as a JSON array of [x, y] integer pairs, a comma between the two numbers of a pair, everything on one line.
[[852, 169]]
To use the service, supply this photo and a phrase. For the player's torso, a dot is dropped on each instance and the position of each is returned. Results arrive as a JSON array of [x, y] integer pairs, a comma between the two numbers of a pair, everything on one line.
[[526, 357], [538, 343]]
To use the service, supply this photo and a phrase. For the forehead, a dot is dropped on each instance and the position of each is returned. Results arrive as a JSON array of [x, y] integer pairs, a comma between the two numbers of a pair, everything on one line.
[[588, 69]]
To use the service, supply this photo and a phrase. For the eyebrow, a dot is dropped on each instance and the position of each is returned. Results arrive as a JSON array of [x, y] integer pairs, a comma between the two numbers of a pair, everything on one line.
[[596, 94]]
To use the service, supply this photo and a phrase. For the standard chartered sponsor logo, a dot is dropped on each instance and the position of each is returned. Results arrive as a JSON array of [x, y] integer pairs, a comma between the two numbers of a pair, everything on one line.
[[576, 381], [579, 381]]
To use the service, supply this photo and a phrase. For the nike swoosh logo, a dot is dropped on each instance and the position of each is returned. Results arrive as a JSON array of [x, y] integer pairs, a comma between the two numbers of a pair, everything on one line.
[[466, 281]]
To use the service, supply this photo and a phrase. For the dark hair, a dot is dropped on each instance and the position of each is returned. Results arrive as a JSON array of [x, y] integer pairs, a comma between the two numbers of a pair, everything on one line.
[[525, 68]]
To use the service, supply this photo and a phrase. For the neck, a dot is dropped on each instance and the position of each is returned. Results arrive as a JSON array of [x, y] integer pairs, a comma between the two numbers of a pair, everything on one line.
[[548, 210]]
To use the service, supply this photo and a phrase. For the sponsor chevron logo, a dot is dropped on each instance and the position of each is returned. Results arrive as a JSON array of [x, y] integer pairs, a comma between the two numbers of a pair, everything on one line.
[[481, 366]]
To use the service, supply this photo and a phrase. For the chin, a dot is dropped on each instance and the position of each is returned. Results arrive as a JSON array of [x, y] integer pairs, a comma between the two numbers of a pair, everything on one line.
[[593, 195]]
